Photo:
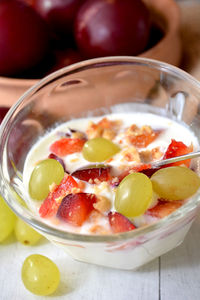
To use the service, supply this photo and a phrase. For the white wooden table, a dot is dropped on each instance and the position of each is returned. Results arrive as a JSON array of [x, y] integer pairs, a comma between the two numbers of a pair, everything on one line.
[[174, 276]]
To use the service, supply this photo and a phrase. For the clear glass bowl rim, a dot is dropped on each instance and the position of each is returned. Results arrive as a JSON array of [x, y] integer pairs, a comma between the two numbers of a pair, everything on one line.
[[34, 221]]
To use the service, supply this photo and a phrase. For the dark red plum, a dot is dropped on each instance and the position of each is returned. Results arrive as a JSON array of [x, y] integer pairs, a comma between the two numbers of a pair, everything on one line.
[[91, 173], [3, 112], [23, 37], [65, 58], [59, 14], [117, 27]]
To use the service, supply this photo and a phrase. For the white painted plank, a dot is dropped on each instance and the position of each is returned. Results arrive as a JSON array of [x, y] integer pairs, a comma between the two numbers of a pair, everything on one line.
[[78, 280], [180, 268]]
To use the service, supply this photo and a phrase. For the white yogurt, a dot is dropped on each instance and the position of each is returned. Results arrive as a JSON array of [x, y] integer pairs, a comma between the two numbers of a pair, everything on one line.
[[170, 130]]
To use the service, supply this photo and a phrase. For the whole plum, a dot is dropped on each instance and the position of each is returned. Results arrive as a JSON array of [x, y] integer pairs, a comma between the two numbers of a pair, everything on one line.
[[3, 112], [29, 2], [59, 14], [23, 37], [65, 58], [112, 27]]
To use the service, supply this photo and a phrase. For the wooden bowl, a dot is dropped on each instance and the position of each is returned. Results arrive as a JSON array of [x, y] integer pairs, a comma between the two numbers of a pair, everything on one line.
[[165, 14]]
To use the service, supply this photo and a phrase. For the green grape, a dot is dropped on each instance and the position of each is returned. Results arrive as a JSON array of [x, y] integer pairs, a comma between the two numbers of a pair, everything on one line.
[[99, 149], [7, 220], [134, 195], [175, 183], [44, 174], [26, 234], [40, 275]]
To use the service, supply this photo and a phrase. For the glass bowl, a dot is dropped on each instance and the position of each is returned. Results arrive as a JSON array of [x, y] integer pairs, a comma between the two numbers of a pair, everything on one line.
[[93, 88]]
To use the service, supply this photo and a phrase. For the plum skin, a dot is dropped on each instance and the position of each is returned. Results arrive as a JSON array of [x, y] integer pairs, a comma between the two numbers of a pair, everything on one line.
[[23, 37], [112, 27], [3, 112], [58, 14]]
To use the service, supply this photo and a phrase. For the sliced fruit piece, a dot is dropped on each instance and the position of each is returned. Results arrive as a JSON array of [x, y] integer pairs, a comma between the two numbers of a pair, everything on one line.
[[53, 156], [90, 173], [119, 223], [176, 148], [149, 171], [164, 208], [143, 168], [76, 208], [50, 205], [67, 146]]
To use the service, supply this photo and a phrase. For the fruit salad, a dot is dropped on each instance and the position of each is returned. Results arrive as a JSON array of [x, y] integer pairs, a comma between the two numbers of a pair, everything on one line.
[[95, 175]]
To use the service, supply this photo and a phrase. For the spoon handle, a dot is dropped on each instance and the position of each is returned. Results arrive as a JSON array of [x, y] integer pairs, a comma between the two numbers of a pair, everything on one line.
[[175, 159]]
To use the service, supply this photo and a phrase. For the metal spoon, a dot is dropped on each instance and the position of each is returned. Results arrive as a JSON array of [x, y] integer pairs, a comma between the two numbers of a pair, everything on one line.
[[163, 162]]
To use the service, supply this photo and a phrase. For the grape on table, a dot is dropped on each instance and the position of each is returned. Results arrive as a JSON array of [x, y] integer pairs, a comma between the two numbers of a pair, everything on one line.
[[7, 220], [26, 234], [40, 275]]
